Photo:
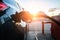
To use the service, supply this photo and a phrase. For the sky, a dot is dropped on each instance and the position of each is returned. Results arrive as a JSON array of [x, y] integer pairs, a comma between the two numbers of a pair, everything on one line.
[[51, 3], [39, 5]]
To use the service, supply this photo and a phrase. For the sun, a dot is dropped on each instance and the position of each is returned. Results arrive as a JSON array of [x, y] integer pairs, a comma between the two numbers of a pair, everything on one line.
[[34, 7]]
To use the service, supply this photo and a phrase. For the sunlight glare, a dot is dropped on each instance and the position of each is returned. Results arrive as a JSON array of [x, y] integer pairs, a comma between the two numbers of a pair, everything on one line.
[[34, 7]]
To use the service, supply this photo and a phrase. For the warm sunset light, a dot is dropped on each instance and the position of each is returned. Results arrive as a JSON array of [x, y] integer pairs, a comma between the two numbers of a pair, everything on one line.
[[34, 6]]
